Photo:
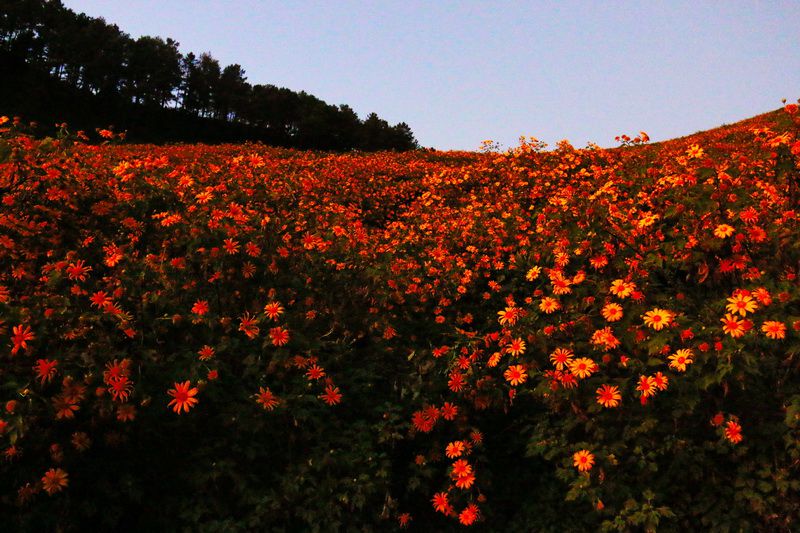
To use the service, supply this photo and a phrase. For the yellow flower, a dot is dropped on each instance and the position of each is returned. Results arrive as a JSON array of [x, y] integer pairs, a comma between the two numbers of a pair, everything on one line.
[[723, 230], [741, 304], [608, 396], [582, 367], [695, 152], [657, 318], [533, 273], [680, 359]]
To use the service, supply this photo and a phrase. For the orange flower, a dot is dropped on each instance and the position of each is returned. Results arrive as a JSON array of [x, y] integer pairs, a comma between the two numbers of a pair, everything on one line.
[[54, 480], [465, 482], [621, 288], [516, 375], [560, 284], [612, 312], [646, 387], [516, 347], [605, 338], [583, 460], [608, 396], [183, 397], [455, 449], [461, 468], [549, 305], [561, 358], [660, 381], [273, 310], [774, 329], [733, 326]]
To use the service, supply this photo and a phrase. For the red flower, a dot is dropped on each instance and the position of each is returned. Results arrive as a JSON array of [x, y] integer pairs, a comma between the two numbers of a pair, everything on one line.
[[315, 372], [206, 353], [441, 503], [78, 270], [183, 397], [279, 336], [267, 399], [45, 369], [20, 337], [404, 519], [468, 516], [54, 480], [449, 411], [733, 432], [200, 307], [331, 396], [248, 326]]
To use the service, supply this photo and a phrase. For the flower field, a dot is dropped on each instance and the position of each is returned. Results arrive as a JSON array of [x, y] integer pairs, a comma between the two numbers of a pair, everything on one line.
[[239, 338]]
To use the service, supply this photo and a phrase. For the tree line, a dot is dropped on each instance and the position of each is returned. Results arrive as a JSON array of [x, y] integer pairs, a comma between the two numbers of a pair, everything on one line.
[[59, 65]]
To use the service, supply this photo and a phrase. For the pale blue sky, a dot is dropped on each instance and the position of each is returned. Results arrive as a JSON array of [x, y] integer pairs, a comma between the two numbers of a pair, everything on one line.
[[462, 72]]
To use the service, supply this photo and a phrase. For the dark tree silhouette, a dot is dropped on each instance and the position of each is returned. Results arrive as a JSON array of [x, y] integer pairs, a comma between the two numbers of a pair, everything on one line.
[[61, 66]]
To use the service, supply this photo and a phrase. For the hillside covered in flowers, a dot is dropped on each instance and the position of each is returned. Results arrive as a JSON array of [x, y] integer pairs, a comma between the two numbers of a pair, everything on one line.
[[242, 338]]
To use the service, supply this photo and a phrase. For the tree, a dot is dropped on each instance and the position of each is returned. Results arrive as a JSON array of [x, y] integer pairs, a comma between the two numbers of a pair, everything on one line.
[[154, 70], [104, 57], [208, 79], [374, 133], [232, 91]]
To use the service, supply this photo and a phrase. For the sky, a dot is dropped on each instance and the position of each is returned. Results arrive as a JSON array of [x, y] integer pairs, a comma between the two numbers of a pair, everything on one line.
[[459, 73]]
